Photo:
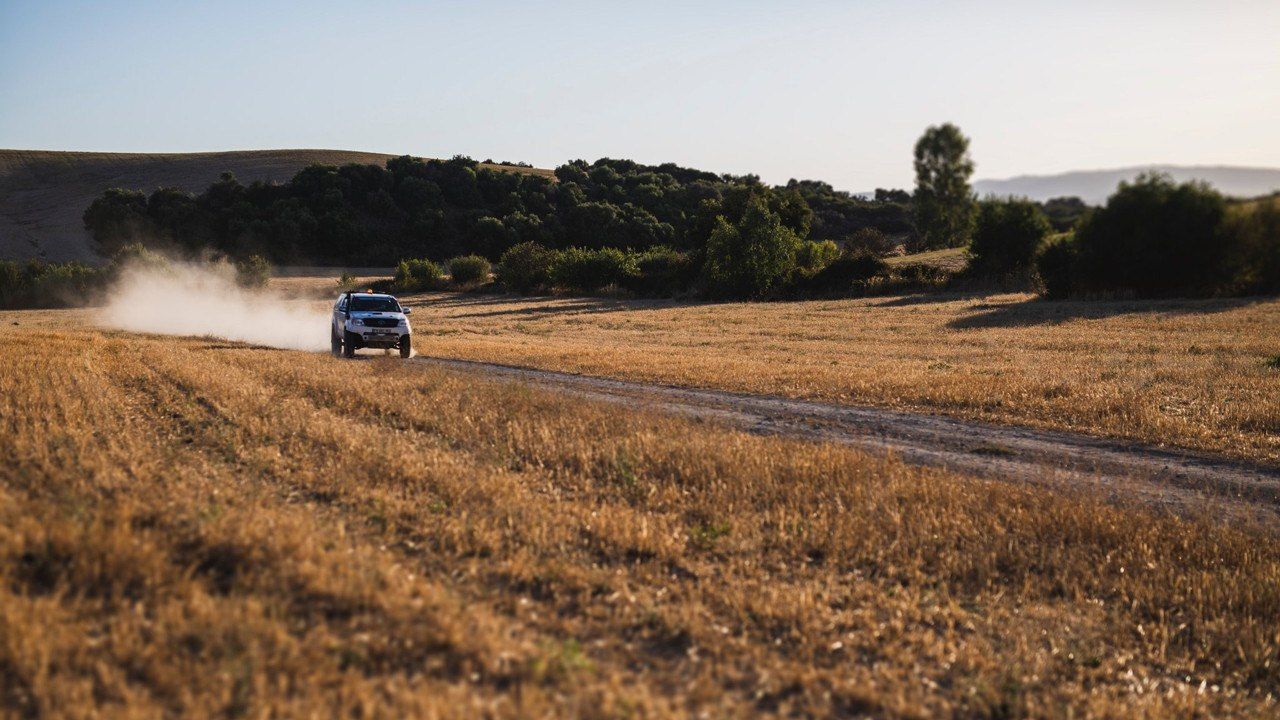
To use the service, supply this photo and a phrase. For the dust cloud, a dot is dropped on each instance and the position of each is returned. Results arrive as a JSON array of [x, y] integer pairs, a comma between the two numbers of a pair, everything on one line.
[[203, 299]]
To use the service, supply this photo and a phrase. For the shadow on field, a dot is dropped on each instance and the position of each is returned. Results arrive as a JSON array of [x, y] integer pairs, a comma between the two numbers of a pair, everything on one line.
[[1050, 312], [929, 299]]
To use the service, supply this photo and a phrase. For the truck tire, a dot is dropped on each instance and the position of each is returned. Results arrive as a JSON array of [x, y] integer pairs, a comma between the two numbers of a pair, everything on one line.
[[348, 344], [406, 346], [335, 343]]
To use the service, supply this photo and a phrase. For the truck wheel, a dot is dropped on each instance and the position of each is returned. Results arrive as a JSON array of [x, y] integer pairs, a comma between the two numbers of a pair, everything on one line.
[[348, 344], [406, 346], [335, 343]]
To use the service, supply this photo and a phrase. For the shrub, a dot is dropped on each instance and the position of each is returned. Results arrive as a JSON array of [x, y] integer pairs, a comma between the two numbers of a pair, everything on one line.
[[253, 272], [416, 275], [869, 239], [1254, 232], [45, 285], [662, 271], [589, 270], [846, 272], [812, 257], [1008, 236], [1155, 238], [749, 259], [1056, 264], [137, 255], [525, 267], [469, 269]]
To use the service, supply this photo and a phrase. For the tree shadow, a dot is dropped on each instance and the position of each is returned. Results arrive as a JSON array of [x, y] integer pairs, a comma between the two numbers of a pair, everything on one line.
[[1039, 311], [937, 298]]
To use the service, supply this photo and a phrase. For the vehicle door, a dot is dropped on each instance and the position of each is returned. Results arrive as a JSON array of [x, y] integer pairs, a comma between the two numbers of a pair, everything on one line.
[[340, 316]]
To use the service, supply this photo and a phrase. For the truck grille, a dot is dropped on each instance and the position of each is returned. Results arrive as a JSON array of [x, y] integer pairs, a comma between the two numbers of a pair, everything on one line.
[[381, 322]]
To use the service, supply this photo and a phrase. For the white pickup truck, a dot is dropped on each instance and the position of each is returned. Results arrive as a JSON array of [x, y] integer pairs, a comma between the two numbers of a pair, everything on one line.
[[369, 320]]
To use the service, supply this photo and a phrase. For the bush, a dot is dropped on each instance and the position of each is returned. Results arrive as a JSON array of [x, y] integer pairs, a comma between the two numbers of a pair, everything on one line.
[[662, 271], [1155, 238], [752, 258], [1055, 264], [1254, 230], [525, 267], [416, 275], [138, 255], [869, 239], [586, 270], [812, 257], [846, 273], [253, 272], [46, 285], [1008, 236], [469, 269]]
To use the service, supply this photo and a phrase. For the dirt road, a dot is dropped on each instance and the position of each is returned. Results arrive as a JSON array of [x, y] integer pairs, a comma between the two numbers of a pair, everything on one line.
[[1177, 480]]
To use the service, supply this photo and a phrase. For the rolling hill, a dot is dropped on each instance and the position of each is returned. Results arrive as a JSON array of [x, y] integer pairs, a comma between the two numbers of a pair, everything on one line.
[[1094, 186], [43, 194]]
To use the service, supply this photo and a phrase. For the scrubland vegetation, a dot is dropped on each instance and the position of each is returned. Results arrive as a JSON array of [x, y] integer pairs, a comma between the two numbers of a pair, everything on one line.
[[37, 284], [1155, 238], [1190, 373], [660, 231], [192, 528], [414, 208]]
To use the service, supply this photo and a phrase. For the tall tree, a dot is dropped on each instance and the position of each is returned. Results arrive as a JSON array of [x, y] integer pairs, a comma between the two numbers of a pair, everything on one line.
[[944, 204]]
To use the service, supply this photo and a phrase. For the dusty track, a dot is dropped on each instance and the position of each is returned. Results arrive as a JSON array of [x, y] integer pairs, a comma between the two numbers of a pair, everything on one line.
[[1176, 480]]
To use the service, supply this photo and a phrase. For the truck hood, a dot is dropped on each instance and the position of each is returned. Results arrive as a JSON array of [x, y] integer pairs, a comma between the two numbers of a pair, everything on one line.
[[367, 314]]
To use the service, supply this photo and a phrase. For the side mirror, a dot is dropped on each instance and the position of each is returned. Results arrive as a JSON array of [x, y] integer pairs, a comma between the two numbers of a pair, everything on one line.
[[407, 311]]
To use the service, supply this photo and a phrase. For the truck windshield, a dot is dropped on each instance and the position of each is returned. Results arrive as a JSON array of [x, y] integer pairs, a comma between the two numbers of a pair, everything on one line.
[[374, 304]]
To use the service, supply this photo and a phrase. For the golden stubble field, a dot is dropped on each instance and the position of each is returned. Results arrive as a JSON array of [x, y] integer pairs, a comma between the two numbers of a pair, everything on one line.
[[1198, 374], [196, 528]]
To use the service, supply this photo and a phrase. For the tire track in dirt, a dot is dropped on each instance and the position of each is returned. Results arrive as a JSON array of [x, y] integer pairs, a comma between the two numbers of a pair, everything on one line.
[[1180, 481]]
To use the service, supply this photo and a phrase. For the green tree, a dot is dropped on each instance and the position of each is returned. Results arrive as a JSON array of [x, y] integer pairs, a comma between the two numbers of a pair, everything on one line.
[[751, 258], [118, 218], [1008, 235], [1155, 237], [943, 202]]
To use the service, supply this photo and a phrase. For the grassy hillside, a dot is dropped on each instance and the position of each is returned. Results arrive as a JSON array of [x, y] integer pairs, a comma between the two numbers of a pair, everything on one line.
[[193, 528], [953, 259], [44, 193]]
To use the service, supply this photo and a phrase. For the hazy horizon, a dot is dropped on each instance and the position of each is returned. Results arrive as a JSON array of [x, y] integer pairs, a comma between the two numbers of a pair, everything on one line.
[[818, 90]]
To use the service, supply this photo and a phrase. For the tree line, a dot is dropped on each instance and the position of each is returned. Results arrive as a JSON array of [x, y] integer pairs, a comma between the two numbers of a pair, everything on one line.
[[1152, 238], [667, 230], [374, 215]]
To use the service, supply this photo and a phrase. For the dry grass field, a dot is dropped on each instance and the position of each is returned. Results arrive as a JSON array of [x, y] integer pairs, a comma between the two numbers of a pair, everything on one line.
[[1200, 374], [197, 528]]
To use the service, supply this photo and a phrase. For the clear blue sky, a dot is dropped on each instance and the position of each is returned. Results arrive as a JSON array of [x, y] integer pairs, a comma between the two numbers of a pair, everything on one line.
[[827, 90]]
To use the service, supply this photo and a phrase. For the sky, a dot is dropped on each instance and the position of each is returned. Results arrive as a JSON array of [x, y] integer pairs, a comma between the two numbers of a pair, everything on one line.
[[836, 91]]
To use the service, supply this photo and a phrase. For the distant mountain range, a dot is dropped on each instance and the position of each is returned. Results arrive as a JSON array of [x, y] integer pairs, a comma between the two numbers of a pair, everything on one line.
[[1094, 186]]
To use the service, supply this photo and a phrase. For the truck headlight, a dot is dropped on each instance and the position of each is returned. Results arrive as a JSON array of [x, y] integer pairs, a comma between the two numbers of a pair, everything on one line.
[[357, 321]]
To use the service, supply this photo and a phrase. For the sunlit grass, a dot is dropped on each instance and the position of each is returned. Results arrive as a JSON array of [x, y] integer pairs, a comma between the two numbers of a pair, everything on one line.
[[190, 528]]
